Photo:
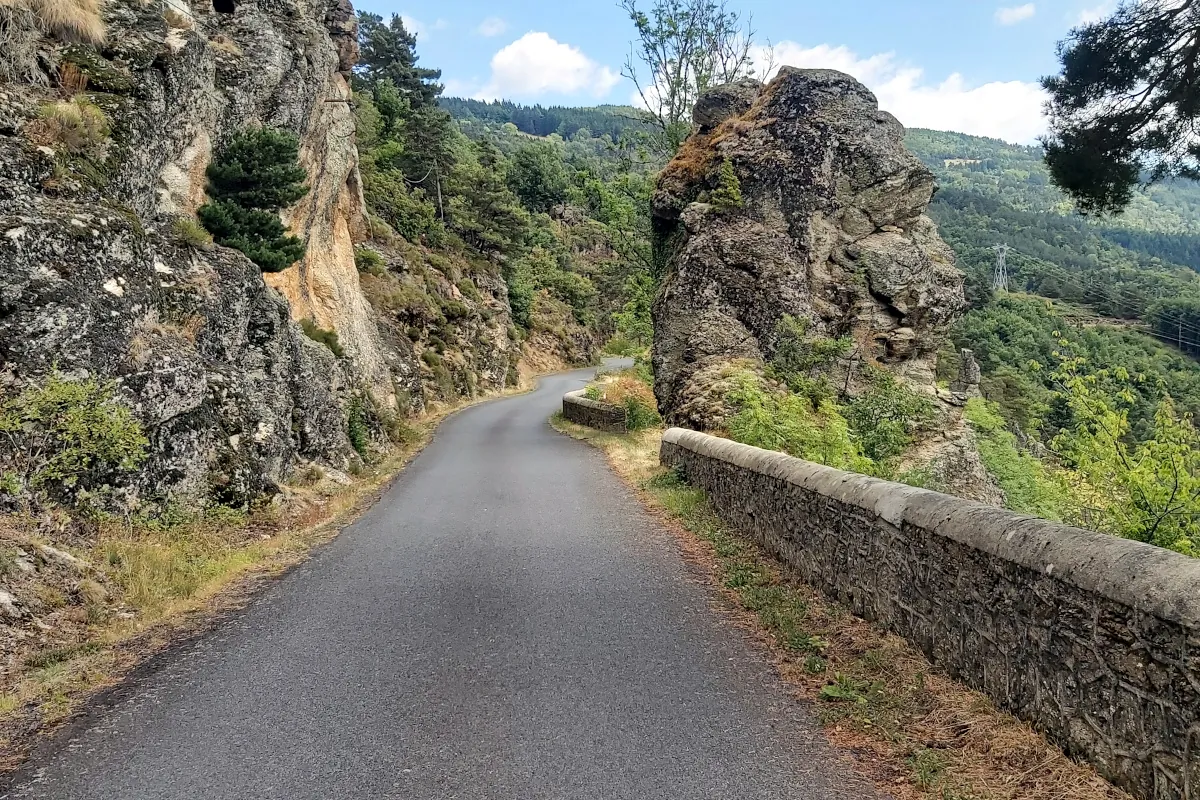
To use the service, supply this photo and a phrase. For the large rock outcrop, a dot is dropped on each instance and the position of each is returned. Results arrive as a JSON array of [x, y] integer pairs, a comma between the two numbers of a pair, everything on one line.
[[94, 280], [832, 229]]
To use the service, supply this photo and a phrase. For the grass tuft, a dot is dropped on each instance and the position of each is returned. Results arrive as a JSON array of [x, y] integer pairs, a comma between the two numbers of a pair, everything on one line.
[[191, 233], [76, 126]]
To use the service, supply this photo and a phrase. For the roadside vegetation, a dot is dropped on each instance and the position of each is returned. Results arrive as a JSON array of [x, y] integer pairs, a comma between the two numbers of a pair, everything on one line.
[[95, 583]]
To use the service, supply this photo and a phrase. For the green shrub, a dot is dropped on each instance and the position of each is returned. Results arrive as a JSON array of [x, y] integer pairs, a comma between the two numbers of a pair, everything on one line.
[[789, 423], [64, 435], [802, 361], [369, 261], [358, 429], [886, 417], [455, 309], [431, 358], [728, 194], [520, 300], [469, 290], [620, 346], [640, 414], [1028, 485], [191, 233], [325, 337], [250, 181], [77, 126]]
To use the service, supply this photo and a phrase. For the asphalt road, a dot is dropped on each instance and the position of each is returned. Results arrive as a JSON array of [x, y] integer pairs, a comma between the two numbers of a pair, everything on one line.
[[506, 623]]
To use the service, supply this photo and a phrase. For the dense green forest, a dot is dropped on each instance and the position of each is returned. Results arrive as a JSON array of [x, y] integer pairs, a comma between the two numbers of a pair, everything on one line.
[[1140, 265], [611, 121]]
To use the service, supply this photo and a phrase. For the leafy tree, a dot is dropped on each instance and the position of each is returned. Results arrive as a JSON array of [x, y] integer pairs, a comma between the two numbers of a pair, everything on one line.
[[537, 176], [634, 321], [250, 181], [1148, 490], [682, 48], [1127, 100]]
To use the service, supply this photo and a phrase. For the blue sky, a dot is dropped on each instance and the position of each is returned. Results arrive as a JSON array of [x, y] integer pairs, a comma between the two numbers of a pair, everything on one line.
[[968, 66]]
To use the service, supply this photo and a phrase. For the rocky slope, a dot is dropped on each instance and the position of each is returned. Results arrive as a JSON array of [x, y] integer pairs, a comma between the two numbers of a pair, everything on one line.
[[99, 276]]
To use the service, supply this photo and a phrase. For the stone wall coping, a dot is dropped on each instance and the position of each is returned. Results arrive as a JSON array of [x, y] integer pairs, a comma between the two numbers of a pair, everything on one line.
[[577, 397], [1148, 578]]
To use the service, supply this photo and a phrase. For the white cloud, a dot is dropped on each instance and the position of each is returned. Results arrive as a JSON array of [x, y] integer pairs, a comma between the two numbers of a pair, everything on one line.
[[1011, 15], [1009, 110], [536, 64], [414, 25], [492, 26], [1096, 13]]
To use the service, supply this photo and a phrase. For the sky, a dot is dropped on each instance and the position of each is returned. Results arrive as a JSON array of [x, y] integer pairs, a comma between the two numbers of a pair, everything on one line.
[[963, 65]]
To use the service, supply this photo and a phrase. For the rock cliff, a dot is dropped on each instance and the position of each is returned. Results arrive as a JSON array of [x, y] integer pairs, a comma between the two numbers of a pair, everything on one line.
[[99, 276], [830, 228]]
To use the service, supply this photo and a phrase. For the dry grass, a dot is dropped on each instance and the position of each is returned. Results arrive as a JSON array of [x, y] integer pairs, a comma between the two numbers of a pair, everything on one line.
[[67, 20], [693, 161], [623, 388], [71, 79], [20, 37], [177, 20], [916, 732], [225, 44], [76, 126], [191, 233]]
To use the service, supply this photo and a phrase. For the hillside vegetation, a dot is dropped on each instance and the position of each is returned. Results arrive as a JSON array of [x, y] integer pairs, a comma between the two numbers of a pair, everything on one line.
[[1099, 328]]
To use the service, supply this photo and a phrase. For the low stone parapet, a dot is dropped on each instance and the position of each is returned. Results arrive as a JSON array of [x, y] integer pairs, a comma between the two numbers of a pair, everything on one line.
[[579, 409], [1092, 638]]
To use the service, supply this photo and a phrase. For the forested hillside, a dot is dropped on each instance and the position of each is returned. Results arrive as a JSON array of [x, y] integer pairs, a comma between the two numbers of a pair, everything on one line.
[[1140, 265], [611, 121]]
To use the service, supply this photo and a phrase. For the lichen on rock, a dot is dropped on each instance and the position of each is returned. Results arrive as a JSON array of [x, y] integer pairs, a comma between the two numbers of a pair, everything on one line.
[[97, 282], [831, 229]]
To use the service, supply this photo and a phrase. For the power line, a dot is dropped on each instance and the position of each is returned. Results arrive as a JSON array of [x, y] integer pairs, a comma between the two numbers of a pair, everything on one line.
[[1144, 311], [1065, 276]]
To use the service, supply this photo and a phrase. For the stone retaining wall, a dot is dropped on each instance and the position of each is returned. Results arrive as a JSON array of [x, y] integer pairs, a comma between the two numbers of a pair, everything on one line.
[[1093, 639], [582, 411]]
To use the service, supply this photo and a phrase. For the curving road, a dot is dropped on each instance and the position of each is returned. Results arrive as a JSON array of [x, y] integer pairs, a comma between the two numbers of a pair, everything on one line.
[[506, 623]]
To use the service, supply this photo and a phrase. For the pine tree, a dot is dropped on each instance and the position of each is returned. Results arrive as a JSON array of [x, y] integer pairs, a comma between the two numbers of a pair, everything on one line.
[[1127, 100], [389, 51], [256, 176]]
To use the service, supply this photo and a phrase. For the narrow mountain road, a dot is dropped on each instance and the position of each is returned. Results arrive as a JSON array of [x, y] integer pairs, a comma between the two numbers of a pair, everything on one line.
[[506, 623]]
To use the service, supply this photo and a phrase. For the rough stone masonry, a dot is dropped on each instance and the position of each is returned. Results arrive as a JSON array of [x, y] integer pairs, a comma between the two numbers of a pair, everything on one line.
[[1093, 639]]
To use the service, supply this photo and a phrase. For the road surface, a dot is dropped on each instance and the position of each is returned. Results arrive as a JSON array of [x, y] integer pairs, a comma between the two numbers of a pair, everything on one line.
[[507, 622]]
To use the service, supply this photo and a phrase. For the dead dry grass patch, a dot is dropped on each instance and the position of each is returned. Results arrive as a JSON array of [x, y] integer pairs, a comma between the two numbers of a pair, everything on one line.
[[919, 734], [68, 20]]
